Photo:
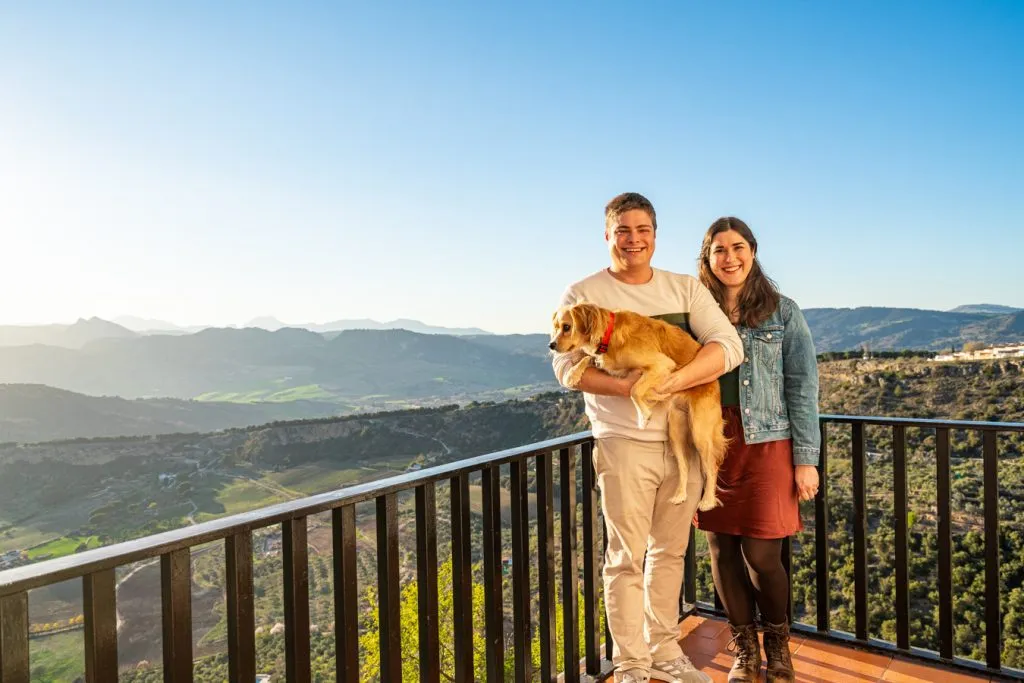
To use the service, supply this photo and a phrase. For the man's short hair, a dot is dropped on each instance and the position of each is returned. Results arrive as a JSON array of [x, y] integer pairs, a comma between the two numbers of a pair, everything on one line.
[[627, 201]]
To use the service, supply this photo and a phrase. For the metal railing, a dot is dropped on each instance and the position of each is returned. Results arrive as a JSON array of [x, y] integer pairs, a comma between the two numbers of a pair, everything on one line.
[[860, 638], [96, 569]]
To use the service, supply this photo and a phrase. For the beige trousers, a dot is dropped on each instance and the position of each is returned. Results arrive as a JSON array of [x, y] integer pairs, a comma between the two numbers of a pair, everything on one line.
[[637, 479]]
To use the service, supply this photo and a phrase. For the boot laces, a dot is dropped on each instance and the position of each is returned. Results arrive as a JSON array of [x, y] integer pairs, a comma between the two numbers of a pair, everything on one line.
[[742, 647]]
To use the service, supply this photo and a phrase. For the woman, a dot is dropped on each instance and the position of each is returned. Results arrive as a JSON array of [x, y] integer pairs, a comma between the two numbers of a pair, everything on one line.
[[770, 404]]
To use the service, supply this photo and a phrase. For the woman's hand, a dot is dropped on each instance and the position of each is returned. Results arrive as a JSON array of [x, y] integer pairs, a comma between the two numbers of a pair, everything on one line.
[[806, 477], [677, 381]]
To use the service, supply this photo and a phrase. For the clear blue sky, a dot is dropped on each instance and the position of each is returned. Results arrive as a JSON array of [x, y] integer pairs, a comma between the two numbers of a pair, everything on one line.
[[211, 162]]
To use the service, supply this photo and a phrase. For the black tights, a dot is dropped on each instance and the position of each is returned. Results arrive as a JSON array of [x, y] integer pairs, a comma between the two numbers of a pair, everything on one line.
[[732, 559]]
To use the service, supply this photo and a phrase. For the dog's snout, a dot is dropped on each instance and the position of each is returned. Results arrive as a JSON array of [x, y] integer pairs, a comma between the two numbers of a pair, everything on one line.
[[551, 345]]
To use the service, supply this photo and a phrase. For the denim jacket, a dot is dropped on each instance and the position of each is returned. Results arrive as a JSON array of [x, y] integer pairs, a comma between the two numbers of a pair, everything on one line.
[[779, 383]]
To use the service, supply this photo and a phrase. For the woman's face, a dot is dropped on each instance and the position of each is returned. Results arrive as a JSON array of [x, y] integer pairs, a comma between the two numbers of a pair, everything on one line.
[[731, 258]]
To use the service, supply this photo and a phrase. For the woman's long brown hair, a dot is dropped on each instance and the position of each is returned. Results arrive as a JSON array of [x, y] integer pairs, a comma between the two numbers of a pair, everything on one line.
[[760, 296]]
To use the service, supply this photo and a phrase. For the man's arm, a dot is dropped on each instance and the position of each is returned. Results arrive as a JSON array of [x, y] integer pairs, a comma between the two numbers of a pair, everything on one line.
[[722, 349], [599, 382]]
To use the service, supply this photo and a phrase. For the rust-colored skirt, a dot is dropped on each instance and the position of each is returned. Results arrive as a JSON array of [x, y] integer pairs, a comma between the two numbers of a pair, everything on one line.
[[756, 489]]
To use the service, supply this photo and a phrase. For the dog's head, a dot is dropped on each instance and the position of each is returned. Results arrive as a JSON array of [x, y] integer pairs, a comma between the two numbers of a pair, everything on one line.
[[575, 327]]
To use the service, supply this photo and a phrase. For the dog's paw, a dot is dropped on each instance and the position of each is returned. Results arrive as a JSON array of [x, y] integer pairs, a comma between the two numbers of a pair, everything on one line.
[[706, 505], [678, 498], [577, 370]]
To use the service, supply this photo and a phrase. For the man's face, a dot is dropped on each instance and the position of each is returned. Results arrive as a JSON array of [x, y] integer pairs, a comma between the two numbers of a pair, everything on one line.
[[631, 240]]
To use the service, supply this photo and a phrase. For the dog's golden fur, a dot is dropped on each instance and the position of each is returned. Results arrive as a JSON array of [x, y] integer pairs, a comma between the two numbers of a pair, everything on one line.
[[657, 348]]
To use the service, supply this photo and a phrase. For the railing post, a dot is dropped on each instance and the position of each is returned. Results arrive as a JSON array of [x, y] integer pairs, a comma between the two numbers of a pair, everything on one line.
[[346, 597], [521, 621], [787, 566], [591, 571], [993, 616], [570, 569], [899, 472], [14, 638], [426, 579], [860, 533], [945, 544], [689, 594], [494, 621], [821, 558], [462, 580], [176, 592], [99, 604], [389, 603], [295, 548], [241, 608], [546, 572], [609, 644]]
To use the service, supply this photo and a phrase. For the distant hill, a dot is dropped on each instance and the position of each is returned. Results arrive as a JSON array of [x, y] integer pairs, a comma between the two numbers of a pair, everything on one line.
[[270, 323], [395, 364], [72, 336], [993, 309], [155, 326], [840, 329], [32, 412], [527, 344]]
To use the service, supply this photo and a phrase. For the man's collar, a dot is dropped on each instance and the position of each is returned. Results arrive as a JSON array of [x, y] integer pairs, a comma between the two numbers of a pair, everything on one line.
[[626, 281]]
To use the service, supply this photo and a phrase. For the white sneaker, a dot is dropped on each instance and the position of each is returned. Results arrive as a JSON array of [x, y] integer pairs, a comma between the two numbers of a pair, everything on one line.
[[678, 670], [632, 676]]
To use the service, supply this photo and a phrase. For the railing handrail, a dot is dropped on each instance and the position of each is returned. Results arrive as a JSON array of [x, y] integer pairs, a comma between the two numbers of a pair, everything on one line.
[[927, 423], [78, 565]]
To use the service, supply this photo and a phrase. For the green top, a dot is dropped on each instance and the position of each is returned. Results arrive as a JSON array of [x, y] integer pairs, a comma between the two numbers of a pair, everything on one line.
[[729, 383]]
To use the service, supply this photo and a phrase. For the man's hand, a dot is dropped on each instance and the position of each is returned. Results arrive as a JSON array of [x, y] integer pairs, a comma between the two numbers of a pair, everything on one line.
[[806, 477]]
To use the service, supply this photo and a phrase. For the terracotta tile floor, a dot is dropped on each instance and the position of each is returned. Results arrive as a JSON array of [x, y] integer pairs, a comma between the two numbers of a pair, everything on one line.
[[705, 640]]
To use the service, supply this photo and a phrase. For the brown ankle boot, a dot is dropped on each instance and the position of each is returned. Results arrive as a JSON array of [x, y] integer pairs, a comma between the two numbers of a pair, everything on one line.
[[746, 664], [776, 649]]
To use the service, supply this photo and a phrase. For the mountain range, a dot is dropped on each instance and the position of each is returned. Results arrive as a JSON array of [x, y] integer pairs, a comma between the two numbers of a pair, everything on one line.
[[842, 329], [73, 336], [287, 364], [834, 329], [85, 330], [293, 372], [271, 324]]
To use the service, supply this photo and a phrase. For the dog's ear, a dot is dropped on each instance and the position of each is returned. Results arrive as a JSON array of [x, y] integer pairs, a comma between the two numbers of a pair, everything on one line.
[[586, 318], [559, 316]]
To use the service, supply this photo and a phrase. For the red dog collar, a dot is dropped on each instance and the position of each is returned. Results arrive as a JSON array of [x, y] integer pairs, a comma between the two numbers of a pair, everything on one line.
[[603, 346]]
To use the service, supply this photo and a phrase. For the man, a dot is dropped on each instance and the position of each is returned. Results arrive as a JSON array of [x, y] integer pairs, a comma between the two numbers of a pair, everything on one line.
[[636, 472]]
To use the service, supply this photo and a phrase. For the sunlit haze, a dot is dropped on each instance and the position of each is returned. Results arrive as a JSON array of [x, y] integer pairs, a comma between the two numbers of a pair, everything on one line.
[[210, 163]]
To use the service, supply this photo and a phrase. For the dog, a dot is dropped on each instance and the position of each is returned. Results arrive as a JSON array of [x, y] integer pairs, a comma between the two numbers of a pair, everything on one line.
[[620, 341]]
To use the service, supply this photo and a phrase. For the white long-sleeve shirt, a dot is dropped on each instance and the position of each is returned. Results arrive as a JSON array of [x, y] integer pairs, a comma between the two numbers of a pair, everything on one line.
[[678, 299]]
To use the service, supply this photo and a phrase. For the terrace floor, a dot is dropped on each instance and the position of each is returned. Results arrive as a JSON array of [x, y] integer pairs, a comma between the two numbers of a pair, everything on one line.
[[704, 640]]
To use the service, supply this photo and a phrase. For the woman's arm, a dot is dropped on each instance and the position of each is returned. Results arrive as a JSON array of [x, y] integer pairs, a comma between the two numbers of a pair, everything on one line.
[[800, 384]]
